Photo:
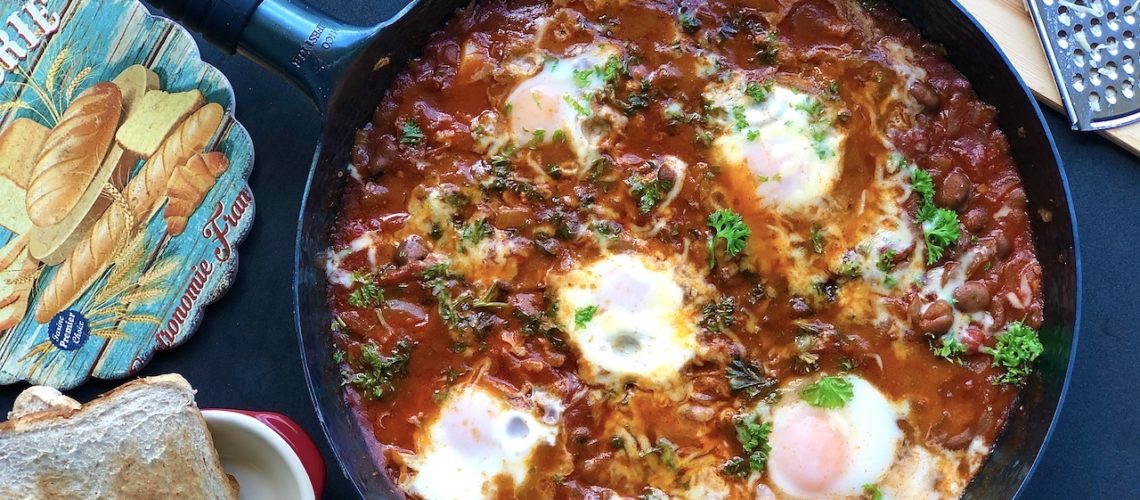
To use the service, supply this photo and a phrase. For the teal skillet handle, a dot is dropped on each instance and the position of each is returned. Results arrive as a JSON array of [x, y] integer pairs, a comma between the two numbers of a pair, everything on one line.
[[307, 47]]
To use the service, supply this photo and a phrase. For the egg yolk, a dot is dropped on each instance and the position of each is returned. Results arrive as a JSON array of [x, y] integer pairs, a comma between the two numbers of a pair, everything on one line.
[[807, 450], [536, 105]]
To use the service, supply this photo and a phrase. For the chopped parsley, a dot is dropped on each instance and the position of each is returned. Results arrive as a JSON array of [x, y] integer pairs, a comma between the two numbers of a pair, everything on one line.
[[475, 231], [368, 294], [666, 451], [582, 76], [871, 491], [730, 227], [606, 229], [538, 137], [759, 92], [811, 106], [580, 108], [753, 437], [740, 120], [377, 373], [745, 377], [1015, 351], [753, 134], [558, 136], [411, 134], [647, 192], [768, 50], [951, 348], [718, 315], [816, 238], [886, 262], [829, 392], [688, 21], [583, 315]]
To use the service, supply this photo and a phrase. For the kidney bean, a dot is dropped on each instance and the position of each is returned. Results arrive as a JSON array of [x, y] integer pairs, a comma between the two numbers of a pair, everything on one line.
[[1016, 198], [412, 249], [1002, 245], [933, 318], [975, 220], [954, 191], [972, 296], [926, 96]]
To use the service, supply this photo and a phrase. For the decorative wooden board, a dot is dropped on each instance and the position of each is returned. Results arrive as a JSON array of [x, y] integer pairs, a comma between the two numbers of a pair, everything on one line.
[[92, 283], [1010, 25]]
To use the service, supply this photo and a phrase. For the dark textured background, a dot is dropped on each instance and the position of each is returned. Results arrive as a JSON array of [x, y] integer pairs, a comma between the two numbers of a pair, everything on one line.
[[246, 356]]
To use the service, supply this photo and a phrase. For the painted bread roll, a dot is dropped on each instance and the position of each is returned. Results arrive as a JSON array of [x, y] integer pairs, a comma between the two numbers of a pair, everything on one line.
[[72, 153], [188, 186]]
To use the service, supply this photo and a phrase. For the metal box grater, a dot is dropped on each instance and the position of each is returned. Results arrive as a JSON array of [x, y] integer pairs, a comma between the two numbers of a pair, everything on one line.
[[1092, 49]]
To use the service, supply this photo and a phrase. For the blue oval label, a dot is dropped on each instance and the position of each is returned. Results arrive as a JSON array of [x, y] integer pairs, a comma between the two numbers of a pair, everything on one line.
[[68, 330]]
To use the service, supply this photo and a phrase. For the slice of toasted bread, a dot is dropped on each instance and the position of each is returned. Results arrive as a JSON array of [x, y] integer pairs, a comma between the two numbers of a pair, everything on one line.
[[145, 439], [13, 215], [134, 82], [153, 117], [20, 144]]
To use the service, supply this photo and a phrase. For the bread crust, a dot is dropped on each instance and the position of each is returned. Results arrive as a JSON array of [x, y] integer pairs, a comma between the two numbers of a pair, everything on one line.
[[145, 190], [188, 186], [72, 153], [185, 463]]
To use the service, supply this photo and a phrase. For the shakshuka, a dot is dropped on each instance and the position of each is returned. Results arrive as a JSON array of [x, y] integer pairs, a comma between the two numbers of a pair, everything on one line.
[[656, 249]]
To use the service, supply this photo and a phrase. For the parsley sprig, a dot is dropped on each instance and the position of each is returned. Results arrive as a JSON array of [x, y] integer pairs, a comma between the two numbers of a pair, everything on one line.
[[730, 227], [939, 225], [753, 437], [1015, 351], [829, 392]]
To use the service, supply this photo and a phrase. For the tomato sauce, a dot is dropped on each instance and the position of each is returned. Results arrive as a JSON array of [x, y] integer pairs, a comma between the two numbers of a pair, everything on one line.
[[813, 44]]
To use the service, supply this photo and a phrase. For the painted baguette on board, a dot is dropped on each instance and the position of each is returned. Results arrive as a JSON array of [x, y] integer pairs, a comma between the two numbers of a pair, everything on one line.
[[52, 244], [72, 153], [86, 263], [188, 186], [144, 192]]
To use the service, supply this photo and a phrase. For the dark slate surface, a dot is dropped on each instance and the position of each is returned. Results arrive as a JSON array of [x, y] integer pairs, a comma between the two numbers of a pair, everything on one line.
[[246, 354]]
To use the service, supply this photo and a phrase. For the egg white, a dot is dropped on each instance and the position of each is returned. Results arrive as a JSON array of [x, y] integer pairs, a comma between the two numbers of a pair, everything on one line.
[[557, 104], [643, 329], [479, 436], [786, 142], [870, 439]]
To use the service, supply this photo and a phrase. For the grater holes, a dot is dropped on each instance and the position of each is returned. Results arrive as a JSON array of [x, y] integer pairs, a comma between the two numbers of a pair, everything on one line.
[[1095, 28], [1079, 58], [1078, 82], [1110, 95], [1127, 89], [1094, 102], [1109, 70], [1128, 67]]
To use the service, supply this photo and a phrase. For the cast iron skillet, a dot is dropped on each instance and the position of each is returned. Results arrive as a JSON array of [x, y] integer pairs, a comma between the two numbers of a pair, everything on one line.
[[346, 69]]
